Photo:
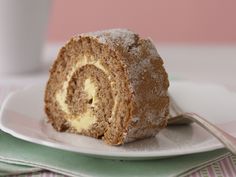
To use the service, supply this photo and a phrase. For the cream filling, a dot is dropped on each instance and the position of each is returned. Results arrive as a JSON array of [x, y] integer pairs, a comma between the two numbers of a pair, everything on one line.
[[61, 94], [84, 121]]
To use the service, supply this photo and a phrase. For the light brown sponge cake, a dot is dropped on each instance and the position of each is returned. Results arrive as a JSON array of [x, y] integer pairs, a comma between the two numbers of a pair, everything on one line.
[[108, 84]]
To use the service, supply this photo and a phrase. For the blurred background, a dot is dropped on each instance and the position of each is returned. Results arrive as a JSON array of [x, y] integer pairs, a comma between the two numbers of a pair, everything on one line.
[[196, 38], [183, 21]]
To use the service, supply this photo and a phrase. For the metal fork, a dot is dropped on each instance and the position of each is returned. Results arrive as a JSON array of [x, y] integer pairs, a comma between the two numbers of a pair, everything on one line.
[[179, 117]]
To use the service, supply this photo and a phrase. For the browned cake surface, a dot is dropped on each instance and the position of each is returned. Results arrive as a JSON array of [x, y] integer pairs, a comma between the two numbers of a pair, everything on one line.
[[108, 84]]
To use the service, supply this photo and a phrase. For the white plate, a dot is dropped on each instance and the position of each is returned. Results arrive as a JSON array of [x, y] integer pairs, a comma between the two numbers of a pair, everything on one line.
[[23, 116]]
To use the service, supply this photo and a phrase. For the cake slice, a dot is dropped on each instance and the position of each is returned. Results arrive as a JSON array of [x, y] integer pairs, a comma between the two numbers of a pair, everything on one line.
[[108, 84]]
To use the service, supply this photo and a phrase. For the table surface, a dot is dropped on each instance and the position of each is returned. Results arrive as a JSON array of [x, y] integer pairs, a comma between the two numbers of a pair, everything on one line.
[[201, 63]]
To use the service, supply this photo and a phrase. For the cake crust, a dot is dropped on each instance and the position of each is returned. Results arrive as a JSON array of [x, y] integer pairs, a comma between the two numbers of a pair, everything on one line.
[[130, 101]]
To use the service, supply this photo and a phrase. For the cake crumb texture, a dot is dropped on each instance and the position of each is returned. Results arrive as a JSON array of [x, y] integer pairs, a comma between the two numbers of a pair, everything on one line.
[[109, 85]]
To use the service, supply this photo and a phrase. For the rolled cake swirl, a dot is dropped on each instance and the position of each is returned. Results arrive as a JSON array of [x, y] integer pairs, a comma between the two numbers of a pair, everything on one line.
[[108, 84]]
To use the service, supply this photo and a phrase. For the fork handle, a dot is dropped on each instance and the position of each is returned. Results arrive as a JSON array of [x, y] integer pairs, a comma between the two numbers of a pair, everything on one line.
[[228, 140]]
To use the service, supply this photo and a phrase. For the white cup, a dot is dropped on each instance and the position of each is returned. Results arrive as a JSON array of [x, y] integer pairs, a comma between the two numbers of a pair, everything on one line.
[[23, 25]]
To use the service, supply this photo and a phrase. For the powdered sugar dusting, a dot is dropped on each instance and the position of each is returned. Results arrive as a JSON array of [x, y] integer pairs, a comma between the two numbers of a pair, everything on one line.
[[143, 66], [113, 37], [152, 48], [141, 69]]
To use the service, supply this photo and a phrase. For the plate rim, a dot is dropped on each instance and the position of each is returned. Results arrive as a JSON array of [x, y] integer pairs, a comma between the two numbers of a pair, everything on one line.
[[101, 154]]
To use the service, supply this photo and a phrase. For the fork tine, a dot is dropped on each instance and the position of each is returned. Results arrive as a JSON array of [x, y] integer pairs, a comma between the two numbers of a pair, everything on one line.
[[176, 114]]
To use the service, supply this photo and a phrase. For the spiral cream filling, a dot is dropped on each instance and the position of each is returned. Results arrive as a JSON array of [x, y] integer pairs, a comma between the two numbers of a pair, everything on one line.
[[85, 120]]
